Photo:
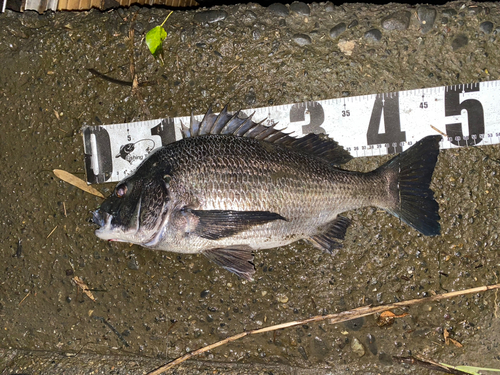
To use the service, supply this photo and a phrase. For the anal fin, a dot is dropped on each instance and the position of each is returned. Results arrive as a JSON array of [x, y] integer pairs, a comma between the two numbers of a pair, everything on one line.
[[238, 260], [335, 230]]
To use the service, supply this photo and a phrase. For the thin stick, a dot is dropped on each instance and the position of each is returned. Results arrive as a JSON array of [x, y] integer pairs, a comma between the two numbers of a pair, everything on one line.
[[26, 296], [53, 230], [439, 131], [334, 318]]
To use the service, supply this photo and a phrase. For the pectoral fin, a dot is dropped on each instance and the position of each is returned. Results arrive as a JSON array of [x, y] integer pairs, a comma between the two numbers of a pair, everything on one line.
[[238, 260], [216, 224], [335, 230]]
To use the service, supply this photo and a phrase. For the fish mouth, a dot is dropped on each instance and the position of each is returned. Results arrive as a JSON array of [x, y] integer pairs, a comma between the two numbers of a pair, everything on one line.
[[99, 218], [111, 230], [103, 220]]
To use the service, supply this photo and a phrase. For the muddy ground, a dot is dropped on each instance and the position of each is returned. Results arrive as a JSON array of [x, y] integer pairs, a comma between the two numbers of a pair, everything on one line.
[[152, 306]]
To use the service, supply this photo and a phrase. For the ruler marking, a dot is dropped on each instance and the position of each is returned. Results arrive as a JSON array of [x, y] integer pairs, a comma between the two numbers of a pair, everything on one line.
[[366, 125]]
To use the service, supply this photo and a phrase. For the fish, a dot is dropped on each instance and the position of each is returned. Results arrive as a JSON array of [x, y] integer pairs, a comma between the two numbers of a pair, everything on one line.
[[232, 186]]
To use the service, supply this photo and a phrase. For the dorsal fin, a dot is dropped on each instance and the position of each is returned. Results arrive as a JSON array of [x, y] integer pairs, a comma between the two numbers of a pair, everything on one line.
[[240, 125]]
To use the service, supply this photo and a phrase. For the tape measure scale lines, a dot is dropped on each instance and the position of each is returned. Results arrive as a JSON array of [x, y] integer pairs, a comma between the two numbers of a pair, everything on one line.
[[369, 125]]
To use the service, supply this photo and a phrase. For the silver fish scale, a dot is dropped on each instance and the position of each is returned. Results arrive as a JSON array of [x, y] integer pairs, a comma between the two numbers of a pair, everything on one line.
[[242, 174]]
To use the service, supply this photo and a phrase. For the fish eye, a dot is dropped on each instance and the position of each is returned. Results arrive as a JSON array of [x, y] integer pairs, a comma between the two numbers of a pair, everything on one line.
[[121, 190]]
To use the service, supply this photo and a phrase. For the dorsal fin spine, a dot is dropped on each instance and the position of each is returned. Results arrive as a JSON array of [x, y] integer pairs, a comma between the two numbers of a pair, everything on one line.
[[226, 123]]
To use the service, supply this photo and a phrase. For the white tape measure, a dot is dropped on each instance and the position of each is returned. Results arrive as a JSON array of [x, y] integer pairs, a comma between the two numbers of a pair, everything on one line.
[[366, 125]]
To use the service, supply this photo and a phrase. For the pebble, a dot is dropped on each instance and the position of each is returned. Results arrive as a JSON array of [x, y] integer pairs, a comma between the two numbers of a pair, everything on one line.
[[372, 345], [475, 10], [353, 23], [460, 41], [486, 27], [448, 13], [374, 35], [249, 17], [302, 352], [397, 21], [302, 39], [282, 298], [427, 16], [204, 293], [139, 27], [250, 97], [278, 9], [337, 30], [300, 8], [357, 347], [210, 16], [133, 264]]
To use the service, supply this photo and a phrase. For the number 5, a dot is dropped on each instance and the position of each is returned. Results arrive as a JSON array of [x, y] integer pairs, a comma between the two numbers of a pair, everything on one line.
[[475, 114]]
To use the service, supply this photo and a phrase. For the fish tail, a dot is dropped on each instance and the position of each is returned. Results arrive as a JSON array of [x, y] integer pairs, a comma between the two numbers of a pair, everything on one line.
[[409, 175]]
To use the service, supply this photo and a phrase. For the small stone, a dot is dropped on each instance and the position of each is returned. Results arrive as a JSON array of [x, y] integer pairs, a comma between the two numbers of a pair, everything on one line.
[[427, 16], [302, 39], [282, 298], [373, 35], [302, 352], [300, 8], [132, 264], [210, 16], [475, 10], [486, 27], [346, 46], [444, 20], [397, 21], [460, 41], [353, 23], [278, 9], [250, 15], [371, 343], [139, 27], [204, 293], [449, 13], [250, 98], [357, 347], [337, 30]]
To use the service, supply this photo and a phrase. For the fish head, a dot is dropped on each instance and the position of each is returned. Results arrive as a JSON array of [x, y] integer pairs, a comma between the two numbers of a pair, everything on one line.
[[136, 209]]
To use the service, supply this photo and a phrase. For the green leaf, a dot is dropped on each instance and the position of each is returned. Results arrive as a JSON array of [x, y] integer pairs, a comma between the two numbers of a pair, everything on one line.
[[470, 369], [154, 39]]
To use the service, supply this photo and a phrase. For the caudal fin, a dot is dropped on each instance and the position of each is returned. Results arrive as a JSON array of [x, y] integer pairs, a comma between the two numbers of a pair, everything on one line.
[[410, 175]]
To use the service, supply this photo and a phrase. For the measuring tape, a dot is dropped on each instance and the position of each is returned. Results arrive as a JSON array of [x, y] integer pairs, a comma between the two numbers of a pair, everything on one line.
[[368, 125]]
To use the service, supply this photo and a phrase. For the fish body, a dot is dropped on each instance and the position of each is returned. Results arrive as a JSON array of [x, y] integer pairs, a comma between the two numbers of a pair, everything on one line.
[[232, 186]]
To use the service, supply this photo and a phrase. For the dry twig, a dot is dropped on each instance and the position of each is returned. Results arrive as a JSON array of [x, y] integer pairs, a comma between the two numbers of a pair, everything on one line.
[[334, 318]]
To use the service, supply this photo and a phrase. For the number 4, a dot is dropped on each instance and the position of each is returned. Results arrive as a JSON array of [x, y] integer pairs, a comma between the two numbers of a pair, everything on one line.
[[389, 105]]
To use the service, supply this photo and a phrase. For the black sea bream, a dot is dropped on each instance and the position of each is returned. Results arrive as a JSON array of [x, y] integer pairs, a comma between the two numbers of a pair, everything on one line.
[[232, 186]]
